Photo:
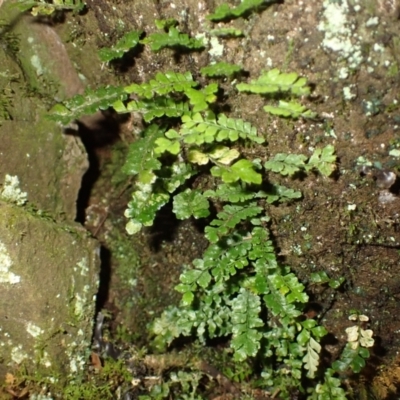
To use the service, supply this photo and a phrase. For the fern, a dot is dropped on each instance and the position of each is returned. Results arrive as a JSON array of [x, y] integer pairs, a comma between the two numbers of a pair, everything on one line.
[[290, 109], [173, 40], [246, 338], [129, 41], [153, 108], [275, 81], [229, 218], [286, 164], [88, 103], [224, 12], [190, 203], [238, 280], [322, 160], [221, 69], [164, 83], [226, 32], [197, 129]]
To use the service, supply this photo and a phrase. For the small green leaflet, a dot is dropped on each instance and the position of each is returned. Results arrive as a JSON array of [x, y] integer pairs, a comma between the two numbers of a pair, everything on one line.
[[311, 359], [173, 40], [165, 23], [246, 308], [85, 104], [290, 109], [286, 164], [219, 154], [226, 32], [324, 160], [242, 169], [275, 81], [163, 83], [190, 203], [232, 192], [281, 193], [126, 43], [231, 216], [166, 145], [199, 99], [224, 12], [140, 155], [178, 173], [197, 129], [221, 69], [154, 108]]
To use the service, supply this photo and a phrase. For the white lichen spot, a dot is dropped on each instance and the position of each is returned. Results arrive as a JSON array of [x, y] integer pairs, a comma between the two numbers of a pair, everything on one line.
[[12, 192], [373, 21], [338, 34], [83, 266], [216, 49], [343, 73], [347, 94], [35, 61], [18, 355], [6, 276], [34, 330]]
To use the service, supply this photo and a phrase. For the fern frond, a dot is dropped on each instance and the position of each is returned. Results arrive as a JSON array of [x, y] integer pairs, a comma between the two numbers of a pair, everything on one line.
[[162, 84], [197, 129], [290, 109], [86, 104], [141, 158], [221, 69], [129, 41], [286, 164], [190, 203], [225, 13], [245, 320], [275, 81], [157, 107], [173, 40], [231, 216], [242, 169]]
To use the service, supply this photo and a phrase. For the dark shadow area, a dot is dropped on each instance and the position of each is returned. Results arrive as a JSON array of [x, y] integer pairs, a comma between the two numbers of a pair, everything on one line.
[[104, 279], [96, 132]]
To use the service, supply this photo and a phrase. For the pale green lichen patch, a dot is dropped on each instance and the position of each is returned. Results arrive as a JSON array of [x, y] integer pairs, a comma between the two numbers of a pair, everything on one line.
[[82, 266], [18, 355], [34, 330], [338, 33], [6, 276], [11, 191]]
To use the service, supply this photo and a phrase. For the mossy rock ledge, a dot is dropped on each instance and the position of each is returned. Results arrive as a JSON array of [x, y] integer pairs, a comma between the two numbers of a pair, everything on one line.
[[48, 281]]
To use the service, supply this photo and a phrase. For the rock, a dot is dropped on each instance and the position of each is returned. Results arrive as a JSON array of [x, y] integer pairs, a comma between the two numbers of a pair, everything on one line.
[[48, 280]]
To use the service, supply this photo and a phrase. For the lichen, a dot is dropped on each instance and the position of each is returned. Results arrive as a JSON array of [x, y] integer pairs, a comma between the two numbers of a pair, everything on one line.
[[11, 191], [6, 276]]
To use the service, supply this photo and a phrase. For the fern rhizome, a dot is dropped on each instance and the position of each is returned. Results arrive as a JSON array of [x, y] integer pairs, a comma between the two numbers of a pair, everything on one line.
[[238, 289]]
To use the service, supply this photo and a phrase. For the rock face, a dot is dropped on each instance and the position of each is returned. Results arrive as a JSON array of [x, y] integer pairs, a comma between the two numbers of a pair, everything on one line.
[[48, 280], [49, 266]]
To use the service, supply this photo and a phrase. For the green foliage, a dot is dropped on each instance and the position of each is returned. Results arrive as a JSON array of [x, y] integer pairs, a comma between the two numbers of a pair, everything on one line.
[[87, 103], [43, 7], [226, 32], [164, 83], [290, 109], [224, 12], [129, 41], [221, 69], [322, 277], [173, 40], [275, 81], [238, 289], [322, 160]]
